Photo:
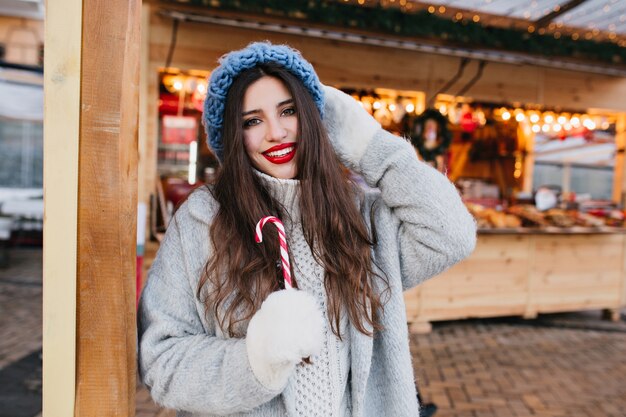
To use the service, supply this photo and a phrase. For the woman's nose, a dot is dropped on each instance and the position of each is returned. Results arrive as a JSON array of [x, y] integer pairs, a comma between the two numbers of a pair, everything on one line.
[[275, 130]]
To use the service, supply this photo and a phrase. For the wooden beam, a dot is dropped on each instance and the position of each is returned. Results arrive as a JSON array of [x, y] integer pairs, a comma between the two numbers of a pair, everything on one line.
[[61, 126], [107, 209], [200, 45]]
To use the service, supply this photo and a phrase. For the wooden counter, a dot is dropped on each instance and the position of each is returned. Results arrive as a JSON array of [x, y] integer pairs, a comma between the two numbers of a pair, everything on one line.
[[525, 274]]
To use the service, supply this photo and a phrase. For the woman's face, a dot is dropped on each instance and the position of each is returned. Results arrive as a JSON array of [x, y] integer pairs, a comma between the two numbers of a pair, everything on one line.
[[270, 127]]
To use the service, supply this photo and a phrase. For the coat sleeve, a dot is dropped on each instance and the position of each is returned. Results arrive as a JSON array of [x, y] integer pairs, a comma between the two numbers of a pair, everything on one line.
[[434, 228], [185, 367]]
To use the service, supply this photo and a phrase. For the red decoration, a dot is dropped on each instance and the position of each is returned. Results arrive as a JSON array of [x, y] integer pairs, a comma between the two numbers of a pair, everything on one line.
[[179, 129], [468, 124]]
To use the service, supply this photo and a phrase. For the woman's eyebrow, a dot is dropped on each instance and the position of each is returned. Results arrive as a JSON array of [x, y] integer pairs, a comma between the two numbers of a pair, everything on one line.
[[282, 103]]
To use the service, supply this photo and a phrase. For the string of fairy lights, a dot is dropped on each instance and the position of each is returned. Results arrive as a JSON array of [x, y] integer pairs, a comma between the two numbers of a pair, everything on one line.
[[596, 20], [390, 106]]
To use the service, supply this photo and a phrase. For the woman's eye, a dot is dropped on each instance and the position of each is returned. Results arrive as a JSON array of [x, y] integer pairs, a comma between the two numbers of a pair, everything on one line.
[[289, 111], [251, 122]]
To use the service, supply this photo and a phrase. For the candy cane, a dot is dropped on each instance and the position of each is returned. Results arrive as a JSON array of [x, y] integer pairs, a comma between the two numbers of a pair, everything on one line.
[[284, 252]]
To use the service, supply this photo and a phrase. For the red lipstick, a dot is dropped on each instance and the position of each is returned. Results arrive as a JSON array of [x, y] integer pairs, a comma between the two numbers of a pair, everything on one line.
[[281, 157]]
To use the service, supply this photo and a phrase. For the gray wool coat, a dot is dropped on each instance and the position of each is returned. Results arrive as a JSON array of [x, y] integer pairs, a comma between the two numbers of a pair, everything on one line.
[[422, 228]]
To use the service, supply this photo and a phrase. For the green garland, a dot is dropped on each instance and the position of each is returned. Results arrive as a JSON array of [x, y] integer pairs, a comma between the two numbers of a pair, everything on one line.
[[422, 25], [414, 128]]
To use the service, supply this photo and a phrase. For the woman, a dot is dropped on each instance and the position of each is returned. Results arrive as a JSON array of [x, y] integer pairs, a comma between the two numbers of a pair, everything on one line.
[[218, 336]]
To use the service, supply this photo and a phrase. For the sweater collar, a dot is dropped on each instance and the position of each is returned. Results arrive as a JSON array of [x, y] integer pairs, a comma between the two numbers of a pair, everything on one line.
[[285, 191]]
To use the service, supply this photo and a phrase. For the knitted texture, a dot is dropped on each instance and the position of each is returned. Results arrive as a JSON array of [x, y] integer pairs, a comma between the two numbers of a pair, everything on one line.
[[233, 63], [318, 387]]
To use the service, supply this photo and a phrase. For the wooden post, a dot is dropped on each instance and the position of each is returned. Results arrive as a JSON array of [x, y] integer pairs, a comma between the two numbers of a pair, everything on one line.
[[92, 51], [619, 179], [106, 351], [529, 158], [619, 195], [62, 80]]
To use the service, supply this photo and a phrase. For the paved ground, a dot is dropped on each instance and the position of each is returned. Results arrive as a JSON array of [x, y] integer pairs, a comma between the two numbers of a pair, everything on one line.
[[558, 365], [20, 334]]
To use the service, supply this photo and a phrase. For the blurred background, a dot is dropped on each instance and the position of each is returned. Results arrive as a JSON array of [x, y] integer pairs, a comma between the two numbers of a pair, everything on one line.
[[522, 104]]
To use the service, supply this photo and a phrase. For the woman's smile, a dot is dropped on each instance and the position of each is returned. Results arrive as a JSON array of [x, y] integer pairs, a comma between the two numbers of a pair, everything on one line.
[[281, 154]]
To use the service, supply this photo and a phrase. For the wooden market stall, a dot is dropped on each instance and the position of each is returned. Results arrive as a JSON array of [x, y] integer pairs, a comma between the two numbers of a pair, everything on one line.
[[514, 272], [517, 273]]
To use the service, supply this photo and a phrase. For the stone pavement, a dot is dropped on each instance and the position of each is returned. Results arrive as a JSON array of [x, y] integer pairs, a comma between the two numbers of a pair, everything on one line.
[[570, 365], [20, 334], [517, 368]]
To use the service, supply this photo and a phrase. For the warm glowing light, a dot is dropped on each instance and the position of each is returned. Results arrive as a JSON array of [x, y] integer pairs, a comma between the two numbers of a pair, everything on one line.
[[567, 126], [431, 9], [201, 88], [506, 115], [410, 108], [548, 118], [392, 107], [536, 128], [520, 117], [476, 18], [589, 124], [377, 105], [178, 85], [193, 158], [534, 118], [545, 128], [442, 9], [562, 120], [557, 127], [443, 109], [575, 121]]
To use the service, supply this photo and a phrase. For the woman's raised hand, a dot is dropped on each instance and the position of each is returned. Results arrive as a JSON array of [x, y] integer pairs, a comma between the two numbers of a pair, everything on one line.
[[350, 127], [288, 327]]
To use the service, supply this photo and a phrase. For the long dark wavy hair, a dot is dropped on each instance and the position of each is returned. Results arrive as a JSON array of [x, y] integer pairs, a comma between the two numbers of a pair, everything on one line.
[[241, 273]]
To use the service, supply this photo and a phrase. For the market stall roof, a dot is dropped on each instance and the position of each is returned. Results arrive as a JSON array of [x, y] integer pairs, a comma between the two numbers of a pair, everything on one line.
[[30, 9], [596, 16], [467, 29]]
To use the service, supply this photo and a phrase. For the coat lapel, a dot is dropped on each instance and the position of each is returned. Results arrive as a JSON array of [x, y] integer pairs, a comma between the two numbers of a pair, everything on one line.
[[361, 359]]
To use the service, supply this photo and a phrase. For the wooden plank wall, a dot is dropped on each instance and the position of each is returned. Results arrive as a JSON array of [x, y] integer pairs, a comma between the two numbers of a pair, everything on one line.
[[525, 275], [576, 272], [491, 282], [107, 216], [200, 45]]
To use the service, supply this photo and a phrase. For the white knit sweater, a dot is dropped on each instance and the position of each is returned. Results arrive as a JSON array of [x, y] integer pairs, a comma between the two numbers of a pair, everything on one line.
[[321, 388]]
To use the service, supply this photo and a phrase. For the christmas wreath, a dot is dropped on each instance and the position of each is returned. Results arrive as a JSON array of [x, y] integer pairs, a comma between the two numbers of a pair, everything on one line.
[[430, 140]]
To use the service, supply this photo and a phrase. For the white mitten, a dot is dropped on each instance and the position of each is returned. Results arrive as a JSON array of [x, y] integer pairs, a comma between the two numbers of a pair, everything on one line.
[[350, 127], [288, 327]]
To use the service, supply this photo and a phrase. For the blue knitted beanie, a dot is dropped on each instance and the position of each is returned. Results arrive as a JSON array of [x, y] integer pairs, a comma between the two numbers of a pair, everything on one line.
[[233, 63]]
